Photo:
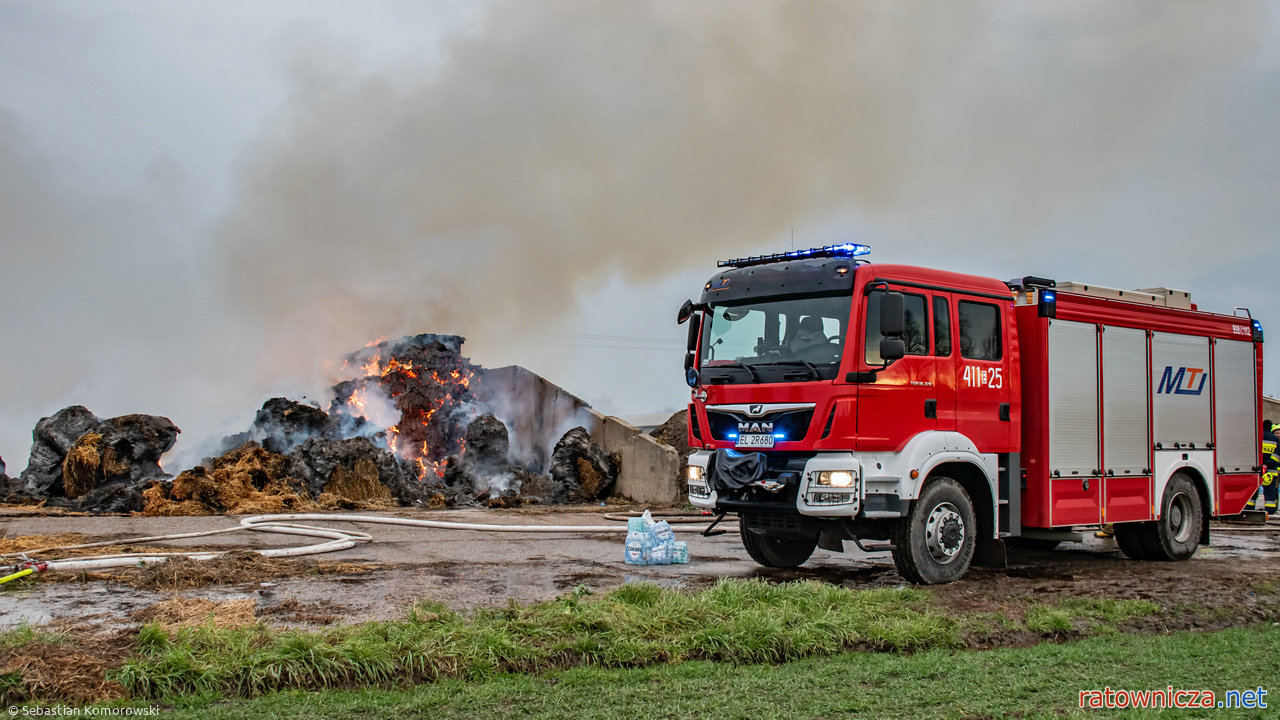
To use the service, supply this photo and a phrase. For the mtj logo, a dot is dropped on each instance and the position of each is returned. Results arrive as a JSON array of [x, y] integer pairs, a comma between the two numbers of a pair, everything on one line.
[[1182, 382]]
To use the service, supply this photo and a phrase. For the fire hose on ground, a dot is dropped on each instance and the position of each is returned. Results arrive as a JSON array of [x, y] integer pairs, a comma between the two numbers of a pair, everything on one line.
[[286, 524]]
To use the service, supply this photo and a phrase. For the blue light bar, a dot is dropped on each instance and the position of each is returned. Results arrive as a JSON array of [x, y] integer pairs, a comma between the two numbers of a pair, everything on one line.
[[1048, 296], [846, 250], [779, 436]]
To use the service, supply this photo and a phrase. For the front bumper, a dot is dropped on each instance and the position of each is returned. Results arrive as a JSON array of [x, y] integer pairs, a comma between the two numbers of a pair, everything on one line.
[[810, 498]]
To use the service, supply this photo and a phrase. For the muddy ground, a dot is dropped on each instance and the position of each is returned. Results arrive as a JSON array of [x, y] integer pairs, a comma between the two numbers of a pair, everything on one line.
[[466, 569]]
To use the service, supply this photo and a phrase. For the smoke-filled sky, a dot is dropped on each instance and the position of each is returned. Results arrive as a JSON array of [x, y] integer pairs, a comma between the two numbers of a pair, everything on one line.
[[203, 205]]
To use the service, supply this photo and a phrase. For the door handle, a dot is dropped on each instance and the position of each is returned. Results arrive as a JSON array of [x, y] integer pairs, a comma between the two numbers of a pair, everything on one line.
[[931, 408], [1004, 412]]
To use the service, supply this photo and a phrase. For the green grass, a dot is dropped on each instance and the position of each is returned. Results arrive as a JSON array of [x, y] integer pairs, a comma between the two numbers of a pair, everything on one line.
[[26, 634], [1081, 613], [735, 621], [1040, 681]]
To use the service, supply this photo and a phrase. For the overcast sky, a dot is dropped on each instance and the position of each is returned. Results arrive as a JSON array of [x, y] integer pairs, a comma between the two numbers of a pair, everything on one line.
[[203, 205]]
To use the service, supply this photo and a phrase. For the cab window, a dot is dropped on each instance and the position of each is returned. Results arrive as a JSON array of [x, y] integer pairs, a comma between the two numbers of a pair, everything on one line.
[[941, 327], [915, 333], [979, 330]]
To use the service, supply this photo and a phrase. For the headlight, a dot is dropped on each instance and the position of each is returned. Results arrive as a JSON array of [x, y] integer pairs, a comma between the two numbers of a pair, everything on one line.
[[696, 473], [836, 478]]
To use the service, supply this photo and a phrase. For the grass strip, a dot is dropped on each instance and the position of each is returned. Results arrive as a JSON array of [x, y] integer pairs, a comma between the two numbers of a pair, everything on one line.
[[1040, 681], [735, 621]]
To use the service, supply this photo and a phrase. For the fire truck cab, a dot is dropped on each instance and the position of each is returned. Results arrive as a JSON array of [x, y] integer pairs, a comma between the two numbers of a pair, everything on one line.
[[839, 400]]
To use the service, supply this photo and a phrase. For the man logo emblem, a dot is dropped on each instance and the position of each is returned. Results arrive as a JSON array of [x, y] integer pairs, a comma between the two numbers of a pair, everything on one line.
[[755, 410]]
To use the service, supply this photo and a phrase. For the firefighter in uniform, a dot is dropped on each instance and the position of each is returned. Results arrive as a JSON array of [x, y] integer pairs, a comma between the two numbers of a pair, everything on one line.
[[1271, 480]]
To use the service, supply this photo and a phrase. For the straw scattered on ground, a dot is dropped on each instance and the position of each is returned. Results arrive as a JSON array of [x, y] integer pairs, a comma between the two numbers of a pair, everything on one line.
[[70, 669], [53, 542], [234, 568], [184, 612]]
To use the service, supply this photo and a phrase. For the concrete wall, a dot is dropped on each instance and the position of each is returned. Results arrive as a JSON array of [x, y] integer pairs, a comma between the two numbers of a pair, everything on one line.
[[538, 413], [649, 468]]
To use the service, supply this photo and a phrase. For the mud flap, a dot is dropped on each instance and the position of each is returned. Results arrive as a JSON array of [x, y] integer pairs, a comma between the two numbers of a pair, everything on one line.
[[990, 553], [832, 539]]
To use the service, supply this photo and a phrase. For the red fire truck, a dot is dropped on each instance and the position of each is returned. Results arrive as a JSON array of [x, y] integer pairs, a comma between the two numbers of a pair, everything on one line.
[[835, 400]]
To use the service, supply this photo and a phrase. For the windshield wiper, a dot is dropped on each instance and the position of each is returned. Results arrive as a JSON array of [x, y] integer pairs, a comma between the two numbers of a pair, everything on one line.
[[813, 369], [754, 376]]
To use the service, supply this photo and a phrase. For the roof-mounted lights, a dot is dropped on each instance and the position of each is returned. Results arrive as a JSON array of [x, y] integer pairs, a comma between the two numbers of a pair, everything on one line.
[[845, 250]]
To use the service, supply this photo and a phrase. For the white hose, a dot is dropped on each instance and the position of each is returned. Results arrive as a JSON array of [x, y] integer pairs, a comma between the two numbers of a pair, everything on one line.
[[336, 539]]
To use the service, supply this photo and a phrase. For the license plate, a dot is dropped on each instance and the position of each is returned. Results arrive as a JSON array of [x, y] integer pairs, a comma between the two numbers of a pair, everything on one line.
[[755, 441]]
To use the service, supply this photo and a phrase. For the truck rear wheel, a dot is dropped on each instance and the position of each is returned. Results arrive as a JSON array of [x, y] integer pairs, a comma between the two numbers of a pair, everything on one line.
[[777, 551], [934, 544], [1176, 535]]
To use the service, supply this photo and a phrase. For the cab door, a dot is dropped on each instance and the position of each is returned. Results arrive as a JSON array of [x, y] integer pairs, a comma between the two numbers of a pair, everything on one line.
[[982, 372], [942, 316], [902, 401]]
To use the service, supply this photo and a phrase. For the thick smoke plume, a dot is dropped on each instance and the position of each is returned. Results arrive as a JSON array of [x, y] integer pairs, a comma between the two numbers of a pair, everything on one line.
[[564, 141]]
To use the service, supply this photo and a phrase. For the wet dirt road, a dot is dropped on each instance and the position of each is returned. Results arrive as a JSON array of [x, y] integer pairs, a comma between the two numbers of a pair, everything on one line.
[[466, 569]]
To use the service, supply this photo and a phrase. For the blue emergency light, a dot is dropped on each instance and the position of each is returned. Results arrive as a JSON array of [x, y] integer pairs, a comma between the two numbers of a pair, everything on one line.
[[844, 250], [1048, 304]]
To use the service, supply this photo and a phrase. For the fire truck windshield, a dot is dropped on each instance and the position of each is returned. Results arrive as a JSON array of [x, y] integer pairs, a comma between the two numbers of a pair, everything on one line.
[[786, 340]]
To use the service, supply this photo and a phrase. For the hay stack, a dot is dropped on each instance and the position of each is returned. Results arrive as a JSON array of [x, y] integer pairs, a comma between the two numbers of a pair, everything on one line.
[[246, 481]]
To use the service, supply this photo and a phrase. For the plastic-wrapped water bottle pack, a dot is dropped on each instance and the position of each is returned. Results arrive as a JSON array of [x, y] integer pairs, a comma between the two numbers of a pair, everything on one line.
[[653, 543]]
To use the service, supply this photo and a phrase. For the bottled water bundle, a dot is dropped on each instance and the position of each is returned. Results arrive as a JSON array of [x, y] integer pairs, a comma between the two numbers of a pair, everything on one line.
[[653, 543]]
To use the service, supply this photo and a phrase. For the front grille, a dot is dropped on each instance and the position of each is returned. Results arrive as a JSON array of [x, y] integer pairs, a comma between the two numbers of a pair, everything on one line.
[[793, 425]]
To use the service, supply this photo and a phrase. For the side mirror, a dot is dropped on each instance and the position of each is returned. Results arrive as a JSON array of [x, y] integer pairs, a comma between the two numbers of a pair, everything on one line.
[[686, 311], [691, 344], [892, 348], [892, 317], [688, 361]]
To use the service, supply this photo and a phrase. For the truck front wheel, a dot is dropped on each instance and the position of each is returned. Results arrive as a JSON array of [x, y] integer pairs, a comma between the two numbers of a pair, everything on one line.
[[934, 543], [1176, 535], [777, 552]]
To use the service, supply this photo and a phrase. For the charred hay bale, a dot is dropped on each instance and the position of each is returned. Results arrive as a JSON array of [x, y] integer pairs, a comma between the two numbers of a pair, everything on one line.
[[488, 444], [539, 488], [482, 467], [9, 487], [583, 467], [50, 442], [122, 496], [315, 463], [124, 450], [283, 424], [675, 432]]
